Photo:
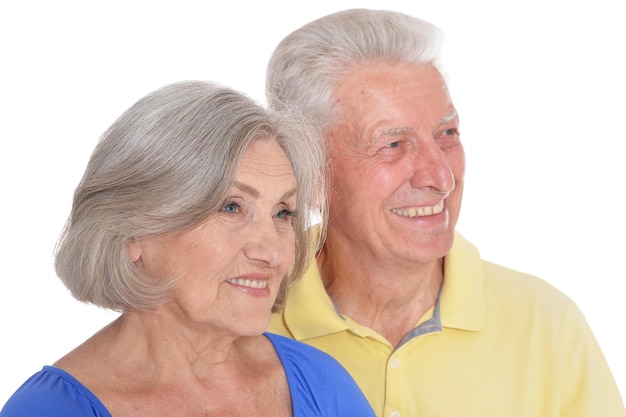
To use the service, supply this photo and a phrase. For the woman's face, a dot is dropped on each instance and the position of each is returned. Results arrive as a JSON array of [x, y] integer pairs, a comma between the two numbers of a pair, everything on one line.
[[230, 267]]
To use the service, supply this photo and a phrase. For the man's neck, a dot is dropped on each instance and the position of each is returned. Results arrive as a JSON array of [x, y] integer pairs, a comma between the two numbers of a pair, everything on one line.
[[390, 301]]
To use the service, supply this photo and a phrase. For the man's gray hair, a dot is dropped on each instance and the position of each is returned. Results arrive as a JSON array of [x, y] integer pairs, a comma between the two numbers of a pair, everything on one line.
[[307, 64]]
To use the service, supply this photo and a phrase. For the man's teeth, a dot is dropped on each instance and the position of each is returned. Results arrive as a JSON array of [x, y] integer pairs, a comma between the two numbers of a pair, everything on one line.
[[251, 283], [421, 211]]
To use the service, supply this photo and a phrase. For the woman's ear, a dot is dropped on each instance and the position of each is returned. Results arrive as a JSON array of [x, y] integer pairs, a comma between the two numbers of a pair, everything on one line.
[[134, 250]]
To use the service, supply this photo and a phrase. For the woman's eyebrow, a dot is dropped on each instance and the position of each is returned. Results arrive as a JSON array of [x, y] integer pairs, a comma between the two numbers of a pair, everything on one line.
[[246, 189], [253, 192]]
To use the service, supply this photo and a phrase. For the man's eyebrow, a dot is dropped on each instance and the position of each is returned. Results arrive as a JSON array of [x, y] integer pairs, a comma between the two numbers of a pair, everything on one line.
[[450, 117], [394, 131], [397, 131]]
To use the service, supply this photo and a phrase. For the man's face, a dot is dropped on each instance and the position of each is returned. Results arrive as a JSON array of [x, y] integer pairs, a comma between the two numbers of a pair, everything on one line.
[[397, 164]]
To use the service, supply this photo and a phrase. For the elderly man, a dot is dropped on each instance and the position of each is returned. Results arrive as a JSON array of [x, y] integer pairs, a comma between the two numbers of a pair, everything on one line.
[[406, 304]]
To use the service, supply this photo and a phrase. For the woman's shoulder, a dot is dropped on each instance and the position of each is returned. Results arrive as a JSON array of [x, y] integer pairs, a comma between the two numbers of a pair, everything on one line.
[[53, 392], [319, 385], [300, 352]]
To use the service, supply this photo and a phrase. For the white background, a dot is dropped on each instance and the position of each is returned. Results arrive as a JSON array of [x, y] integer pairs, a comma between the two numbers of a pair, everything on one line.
[[539, 86]]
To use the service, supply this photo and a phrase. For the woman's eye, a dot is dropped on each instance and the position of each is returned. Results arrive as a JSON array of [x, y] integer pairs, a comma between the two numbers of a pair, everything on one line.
[[284, 214], [231, 208]]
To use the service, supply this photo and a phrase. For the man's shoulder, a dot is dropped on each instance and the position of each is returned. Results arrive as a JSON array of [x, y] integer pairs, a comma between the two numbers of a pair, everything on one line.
[[503, 278], [521, 291], [502, 281]]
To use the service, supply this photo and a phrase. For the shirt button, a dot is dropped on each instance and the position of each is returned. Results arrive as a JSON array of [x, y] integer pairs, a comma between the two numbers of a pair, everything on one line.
[[395, 362], [394, 414]]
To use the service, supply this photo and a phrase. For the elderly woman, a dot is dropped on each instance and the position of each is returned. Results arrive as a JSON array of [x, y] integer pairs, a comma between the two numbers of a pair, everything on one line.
[[192, 221]]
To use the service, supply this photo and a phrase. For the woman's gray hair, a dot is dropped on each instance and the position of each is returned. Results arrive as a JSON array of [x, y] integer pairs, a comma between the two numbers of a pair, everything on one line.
[[164, 167], [307, 64]]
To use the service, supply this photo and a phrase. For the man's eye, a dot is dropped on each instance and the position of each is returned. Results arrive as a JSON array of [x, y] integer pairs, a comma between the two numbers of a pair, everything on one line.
[[231, 208], [393, 144]]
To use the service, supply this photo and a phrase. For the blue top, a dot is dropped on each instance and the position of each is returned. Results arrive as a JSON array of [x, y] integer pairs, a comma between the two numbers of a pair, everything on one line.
[[319, 386]]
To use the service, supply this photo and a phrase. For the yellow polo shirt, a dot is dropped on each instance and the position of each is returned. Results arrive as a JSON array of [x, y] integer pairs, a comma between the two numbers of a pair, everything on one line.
[[498, 343]]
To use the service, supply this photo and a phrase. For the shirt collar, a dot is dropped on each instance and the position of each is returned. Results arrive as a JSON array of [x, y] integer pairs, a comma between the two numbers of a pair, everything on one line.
[[463, 294]]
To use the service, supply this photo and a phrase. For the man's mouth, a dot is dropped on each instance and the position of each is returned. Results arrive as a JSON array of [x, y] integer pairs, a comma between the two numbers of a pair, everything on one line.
[[420, 211]]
